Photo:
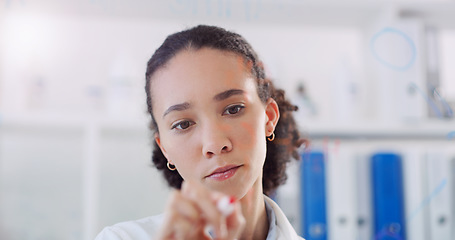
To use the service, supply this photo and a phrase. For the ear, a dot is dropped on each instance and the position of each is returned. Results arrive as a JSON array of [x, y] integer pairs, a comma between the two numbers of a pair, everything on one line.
[[272, 116], [158, 142]]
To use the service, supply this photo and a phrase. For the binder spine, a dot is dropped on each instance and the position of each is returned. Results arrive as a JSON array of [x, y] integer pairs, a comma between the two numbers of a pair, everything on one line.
[[314, 224], [341, 193], [388, 201], [363, 195], [439, 199], [415, 180]]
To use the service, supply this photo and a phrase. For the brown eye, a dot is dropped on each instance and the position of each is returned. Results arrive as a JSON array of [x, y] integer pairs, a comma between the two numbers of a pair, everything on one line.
[[182, 125], [233, 109]]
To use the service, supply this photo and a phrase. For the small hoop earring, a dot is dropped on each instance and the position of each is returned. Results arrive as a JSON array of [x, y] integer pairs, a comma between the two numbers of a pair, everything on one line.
[[169, 166], [271, 137]]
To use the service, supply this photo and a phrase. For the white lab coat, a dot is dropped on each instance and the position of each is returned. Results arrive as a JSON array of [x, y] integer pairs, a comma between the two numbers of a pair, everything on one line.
[[146, 228]]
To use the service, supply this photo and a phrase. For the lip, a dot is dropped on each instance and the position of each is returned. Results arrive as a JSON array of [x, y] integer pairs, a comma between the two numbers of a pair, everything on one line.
[[223, 173]]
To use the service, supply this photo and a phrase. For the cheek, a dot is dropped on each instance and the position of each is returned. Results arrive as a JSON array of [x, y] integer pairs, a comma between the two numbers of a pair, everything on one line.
[[253, 144], [251, 135], [181, 154]]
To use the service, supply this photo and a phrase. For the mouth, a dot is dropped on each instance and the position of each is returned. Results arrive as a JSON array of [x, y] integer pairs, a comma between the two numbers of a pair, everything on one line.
[[224, 173]]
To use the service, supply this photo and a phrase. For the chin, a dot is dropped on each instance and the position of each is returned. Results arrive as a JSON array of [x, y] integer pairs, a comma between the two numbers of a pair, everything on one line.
[[229, 187]]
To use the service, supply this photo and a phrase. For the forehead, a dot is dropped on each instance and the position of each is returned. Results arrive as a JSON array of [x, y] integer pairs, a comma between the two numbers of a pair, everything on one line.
[[191, 63], [194, 72]]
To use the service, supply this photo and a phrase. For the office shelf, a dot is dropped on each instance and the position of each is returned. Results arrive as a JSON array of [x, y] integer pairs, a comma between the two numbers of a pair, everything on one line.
[[429, 130], [58, 122]]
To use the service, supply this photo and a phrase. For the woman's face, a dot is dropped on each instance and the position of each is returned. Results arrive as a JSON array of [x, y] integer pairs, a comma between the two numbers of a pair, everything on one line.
[[212, 125]]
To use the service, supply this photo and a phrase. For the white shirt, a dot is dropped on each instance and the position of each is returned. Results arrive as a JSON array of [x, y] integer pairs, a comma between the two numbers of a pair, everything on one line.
[[146, 228]]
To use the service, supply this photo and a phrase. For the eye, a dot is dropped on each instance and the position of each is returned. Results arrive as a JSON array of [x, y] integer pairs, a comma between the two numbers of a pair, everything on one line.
[[182, 125], [234, 109]]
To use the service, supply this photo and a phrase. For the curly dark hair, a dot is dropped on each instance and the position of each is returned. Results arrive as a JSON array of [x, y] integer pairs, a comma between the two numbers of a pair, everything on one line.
[[287, 137]]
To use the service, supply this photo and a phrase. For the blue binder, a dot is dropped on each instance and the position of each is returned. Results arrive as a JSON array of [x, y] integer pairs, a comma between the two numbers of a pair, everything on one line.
[[314, 220], [388, 197]]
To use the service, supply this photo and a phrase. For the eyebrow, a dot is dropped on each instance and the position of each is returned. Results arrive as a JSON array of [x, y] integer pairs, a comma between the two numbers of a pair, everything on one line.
[[177, 107], [219, 97], [228, 93]]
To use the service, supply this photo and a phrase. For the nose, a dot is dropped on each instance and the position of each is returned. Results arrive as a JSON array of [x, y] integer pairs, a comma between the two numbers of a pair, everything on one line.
[[215, 140]]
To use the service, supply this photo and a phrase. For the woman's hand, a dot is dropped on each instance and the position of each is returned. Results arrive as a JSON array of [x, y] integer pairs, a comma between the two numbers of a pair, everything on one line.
[[192, 209]]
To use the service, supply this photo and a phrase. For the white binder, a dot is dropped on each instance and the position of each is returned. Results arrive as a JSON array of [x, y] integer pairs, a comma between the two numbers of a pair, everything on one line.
[[398, 70], [341, 188], [288, 196], [363, 196], [439, 195], [416, 203]]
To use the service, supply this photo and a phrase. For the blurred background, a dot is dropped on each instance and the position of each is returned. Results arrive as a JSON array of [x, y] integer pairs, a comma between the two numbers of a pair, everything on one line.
[[374, 80]]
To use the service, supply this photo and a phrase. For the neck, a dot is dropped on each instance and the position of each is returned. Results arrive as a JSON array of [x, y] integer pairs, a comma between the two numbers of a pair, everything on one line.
[[253, 209]]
